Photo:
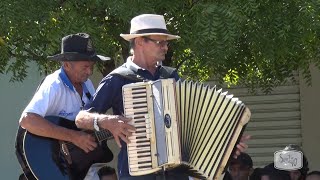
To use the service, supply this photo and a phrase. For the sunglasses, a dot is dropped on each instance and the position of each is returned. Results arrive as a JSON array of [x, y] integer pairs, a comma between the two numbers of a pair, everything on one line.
[[159, 43]]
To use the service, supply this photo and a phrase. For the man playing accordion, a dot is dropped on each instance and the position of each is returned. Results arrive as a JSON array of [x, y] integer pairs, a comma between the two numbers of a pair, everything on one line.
[[149, 44]]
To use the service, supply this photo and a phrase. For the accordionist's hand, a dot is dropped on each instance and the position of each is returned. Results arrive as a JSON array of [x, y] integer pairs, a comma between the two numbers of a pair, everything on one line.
[[242, 146], [118, 126]]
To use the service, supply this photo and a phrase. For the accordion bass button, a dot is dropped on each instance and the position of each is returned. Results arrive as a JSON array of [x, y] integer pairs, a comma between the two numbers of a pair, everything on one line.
[[167, 120]]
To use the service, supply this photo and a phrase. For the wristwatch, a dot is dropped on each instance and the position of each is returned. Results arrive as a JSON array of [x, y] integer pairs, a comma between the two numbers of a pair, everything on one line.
[[95, 123]]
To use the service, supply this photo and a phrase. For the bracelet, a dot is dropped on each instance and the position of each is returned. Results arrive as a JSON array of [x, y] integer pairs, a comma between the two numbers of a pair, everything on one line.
[[95, 123]]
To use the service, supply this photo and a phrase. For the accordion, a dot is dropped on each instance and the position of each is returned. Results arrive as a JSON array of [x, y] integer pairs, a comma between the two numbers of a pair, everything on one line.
[[182, 123]]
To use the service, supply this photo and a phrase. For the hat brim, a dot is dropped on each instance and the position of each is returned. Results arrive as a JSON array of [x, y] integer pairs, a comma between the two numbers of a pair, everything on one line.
[[72, 56], [128, 37]]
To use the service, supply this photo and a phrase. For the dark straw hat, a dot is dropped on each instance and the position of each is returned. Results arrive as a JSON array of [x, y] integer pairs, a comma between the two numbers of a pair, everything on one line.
[[77, 47]]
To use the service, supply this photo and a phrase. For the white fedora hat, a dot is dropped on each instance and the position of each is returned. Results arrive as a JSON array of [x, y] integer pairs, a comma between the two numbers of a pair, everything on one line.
[[148, 24]]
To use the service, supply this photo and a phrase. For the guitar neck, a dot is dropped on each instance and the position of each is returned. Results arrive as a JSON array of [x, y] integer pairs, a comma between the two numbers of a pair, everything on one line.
[[103, 135]]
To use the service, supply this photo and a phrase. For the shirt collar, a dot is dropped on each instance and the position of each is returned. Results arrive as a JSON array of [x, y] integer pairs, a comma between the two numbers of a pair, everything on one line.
[[66, 81], [133, 66]]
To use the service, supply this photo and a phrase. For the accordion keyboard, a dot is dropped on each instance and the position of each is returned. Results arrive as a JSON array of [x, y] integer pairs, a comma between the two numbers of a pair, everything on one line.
[[140, 149]]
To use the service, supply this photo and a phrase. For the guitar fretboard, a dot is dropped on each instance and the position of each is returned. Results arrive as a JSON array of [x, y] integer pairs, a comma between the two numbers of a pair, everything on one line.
[[103, 135]]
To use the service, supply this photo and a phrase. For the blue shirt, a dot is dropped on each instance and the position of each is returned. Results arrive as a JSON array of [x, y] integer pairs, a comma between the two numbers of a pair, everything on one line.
[[109, 95]]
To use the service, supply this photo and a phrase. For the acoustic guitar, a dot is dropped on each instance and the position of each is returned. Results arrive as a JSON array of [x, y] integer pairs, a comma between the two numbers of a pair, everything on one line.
[[48, 160]]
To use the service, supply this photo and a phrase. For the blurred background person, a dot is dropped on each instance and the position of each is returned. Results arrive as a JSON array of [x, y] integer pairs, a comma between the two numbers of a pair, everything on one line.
[[241, 168], [313, 175]]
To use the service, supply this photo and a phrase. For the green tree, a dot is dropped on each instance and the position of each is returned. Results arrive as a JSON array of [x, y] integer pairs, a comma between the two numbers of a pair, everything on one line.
[[250, 42]]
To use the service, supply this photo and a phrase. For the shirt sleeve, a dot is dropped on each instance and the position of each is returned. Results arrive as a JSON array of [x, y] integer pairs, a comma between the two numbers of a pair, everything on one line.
[[108, 95], [42, 100]]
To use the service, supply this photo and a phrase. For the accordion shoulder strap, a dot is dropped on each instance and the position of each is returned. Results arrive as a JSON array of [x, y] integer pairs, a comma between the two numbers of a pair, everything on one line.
[[166, 72], [127, 73]]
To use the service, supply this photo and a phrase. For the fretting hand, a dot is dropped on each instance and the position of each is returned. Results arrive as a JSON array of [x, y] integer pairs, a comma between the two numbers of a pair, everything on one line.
[[84, 141]]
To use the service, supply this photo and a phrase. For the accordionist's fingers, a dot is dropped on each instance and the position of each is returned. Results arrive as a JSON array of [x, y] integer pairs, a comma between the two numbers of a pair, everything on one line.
[[245, 138], [124, 138], [242, 146], [121, 121], [122, 133], [124, 119], [128, 127], [127, 133]]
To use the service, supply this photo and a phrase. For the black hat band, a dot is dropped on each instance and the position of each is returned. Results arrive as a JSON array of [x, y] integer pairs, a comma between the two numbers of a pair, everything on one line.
[[153, 30]]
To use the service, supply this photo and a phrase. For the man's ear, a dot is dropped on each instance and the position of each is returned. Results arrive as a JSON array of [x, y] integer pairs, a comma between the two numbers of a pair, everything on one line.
[[64, 64], [138, 41], [67, 65]]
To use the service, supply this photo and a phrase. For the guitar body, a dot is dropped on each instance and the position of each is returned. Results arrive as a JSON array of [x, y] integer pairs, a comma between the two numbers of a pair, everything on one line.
[[45, 160]]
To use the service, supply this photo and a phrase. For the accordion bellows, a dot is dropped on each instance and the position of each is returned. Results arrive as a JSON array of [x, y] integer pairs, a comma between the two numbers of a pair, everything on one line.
[[182, 123]]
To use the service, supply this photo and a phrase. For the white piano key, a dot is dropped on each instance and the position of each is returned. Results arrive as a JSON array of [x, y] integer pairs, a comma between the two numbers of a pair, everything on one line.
[[131, 101], [140, 154], [132, 106], [131, 91], [138, 137], [141, 139], [143, 160], [139, 125], [139, 144], [132, 111], [139, 149], [141, 168], [134, 91]]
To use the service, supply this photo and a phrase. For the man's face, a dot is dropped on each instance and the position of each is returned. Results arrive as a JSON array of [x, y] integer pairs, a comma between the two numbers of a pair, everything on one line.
[[313, 177], [265, 177], [156, 47], [79, 71], [239, 172]]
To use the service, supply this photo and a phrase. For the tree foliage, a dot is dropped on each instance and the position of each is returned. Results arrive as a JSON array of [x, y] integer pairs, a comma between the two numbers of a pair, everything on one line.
[[255, 43]]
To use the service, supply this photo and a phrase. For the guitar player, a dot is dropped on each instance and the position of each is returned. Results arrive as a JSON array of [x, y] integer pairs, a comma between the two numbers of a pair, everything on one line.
[[62, 94]]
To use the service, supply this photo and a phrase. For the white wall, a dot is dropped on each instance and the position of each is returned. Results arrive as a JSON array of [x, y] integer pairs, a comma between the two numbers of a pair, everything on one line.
[[13, 98]]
